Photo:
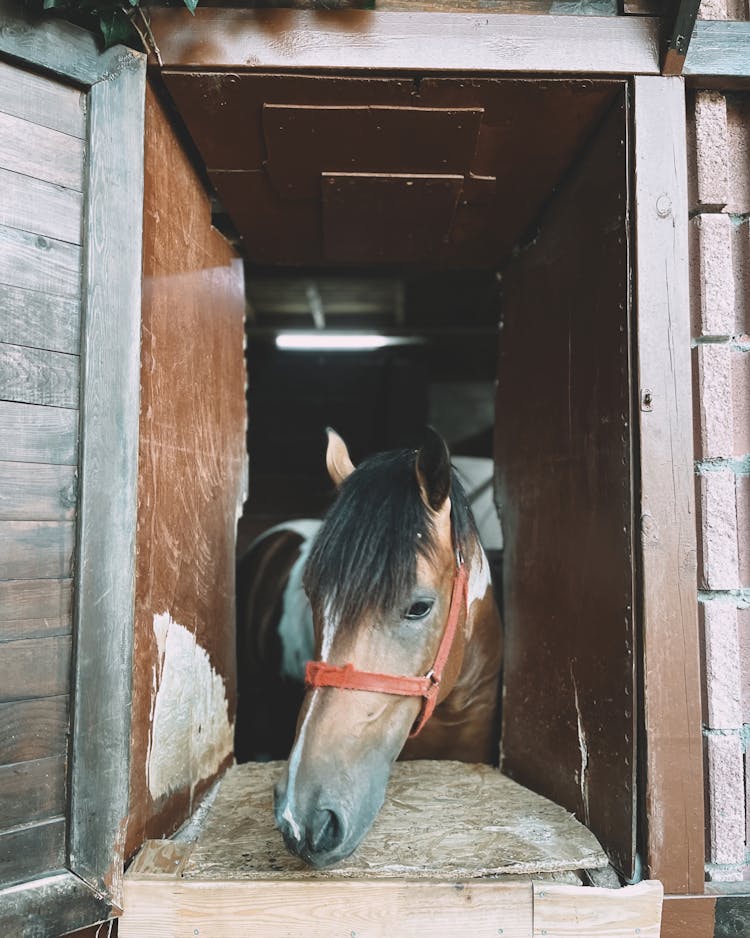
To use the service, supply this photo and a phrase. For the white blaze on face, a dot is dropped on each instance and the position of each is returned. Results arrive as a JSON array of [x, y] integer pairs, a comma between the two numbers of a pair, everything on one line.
[[191, 734], [295, 755]]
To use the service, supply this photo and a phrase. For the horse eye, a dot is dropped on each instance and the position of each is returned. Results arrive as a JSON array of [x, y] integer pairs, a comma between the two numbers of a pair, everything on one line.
[[419, 609]]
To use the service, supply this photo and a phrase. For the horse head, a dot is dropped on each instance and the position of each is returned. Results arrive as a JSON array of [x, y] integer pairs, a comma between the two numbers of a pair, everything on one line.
[[381, 579]]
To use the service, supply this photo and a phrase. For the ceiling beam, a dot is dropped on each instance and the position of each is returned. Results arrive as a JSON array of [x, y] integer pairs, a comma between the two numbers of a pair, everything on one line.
[[245, 40]]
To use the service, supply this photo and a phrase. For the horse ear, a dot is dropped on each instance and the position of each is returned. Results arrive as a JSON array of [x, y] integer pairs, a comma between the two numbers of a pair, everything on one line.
[[338, 463], [433, 467]]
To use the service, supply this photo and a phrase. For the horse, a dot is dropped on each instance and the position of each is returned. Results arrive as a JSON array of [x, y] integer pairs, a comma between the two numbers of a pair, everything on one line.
[[391, 598]]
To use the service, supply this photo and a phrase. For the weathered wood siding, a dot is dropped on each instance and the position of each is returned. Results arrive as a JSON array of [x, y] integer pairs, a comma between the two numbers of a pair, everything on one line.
[[42, 149], [192, 478]]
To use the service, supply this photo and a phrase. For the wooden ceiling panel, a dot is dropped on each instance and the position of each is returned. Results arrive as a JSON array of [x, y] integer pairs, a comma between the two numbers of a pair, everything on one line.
[[268, 139], [302, 142], [387, 218], [223, 111]]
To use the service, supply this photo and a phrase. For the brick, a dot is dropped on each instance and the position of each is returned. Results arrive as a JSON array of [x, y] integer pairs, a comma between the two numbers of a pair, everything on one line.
[[718, 531], [742, 497], [726, 799], [741, 263], [713, 10], [738, 149], [715, 401], [743, 636], [723, 669], [715, 281], [712, 149], [723, 10], [740, 374]]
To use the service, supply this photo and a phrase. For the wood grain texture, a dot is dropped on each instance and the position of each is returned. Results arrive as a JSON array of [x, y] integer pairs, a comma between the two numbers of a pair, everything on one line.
[[36, 550], [327, 909], [61, 897], [27, 852], [33, 729], [38, 434], [40, 320], [38, 263], [352, 39], [719, 52], [40, 152], [688, 915], [33, 668], [563, 468], [32, 791], [13, 629], [37, 493], [36, 376], [105, 563], [440, 820], [35, 599], [39, 207], [672, 681], [53, 45], [569, 912], [36, 99], [192, 462]]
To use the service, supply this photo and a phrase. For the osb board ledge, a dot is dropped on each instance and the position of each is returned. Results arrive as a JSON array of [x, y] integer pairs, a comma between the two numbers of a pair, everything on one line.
[[440, 821]]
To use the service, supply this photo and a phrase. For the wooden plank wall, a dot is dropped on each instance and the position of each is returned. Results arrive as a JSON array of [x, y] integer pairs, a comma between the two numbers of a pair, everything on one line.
[[42, 131], [192, 480]]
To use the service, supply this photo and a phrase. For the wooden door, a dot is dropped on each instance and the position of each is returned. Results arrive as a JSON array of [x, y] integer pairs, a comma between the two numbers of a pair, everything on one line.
[[70, 230], [563, 452]]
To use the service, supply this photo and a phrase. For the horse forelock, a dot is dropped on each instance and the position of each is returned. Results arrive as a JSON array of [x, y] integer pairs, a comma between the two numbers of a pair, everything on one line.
[[364, 559]]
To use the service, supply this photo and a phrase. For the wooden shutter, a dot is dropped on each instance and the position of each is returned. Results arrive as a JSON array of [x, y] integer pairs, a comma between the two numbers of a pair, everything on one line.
[[71, 154], [563, 456]]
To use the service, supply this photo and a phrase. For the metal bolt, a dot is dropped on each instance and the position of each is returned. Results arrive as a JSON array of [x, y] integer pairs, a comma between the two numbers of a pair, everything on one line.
[[542, 895], [664, 206]]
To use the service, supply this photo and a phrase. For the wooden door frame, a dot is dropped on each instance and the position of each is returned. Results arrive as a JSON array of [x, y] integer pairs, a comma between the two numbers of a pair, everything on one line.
[[535, 46], [672, 718], [90, 888]]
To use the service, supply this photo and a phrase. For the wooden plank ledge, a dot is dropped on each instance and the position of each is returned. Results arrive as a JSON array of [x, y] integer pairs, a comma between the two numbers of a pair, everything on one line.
[[457, 849]]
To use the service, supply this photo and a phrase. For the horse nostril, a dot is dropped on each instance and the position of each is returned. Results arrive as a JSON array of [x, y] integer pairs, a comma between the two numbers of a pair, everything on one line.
[[326, 831]]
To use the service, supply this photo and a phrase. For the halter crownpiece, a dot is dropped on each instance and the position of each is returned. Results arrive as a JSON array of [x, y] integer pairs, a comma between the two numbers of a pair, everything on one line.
[[321, 674]]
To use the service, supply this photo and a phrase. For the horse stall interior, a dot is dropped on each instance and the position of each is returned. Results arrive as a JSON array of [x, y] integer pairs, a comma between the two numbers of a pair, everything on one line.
[[483, 226]]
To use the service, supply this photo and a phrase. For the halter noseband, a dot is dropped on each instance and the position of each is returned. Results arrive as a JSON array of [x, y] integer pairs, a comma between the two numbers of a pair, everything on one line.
[[321, 674]]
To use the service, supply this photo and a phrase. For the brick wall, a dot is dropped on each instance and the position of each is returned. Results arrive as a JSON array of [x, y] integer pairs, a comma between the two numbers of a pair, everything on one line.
[[720, 264]]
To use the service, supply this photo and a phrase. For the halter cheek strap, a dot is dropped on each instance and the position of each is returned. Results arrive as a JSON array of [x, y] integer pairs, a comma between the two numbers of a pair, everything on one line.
[[321, 674]]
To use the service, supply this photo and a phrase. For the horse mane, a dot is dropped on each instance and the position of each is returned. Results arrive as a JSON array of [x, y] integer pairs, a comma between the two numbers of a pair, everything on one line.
[[364, 558]]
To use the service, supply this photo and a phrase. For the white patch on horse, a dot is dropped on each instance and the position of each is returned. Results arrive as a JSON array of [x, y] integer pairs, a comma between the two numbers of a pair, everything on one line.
[[296, 624], [479, 575], [289, 818], [191, 734], [329, 629], [307, 528], [294, 759]]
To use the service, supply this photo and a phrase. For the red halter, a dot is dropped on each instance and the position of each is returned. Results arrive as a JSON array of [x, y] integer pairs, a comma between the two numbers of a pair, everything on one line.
[[321, 674]]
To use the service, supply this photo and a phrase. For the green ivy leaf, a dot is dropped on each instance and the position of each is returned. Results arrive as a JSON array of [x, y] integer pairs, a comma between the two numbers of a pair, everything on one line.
[[191, 5], [115, 27]]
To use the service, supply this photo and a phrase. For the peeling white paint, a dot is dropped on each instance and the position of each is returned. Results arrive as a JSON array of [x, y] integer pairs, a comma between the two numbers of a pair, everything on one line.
[[191, 733], [583, 777]]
